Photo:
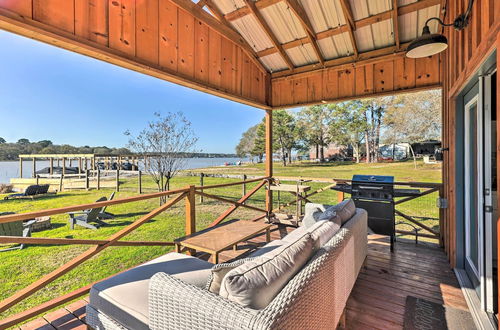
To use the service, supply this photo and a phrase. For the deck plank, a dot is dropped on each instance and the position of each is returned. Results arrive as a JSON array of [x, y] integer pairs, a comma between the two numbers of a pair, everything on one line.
[[377, 300]]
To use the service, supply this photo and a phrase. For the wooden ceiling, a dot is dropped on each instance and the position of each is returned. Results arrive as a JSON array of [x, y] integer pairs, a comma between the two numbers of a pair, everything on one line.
[[256, 53]]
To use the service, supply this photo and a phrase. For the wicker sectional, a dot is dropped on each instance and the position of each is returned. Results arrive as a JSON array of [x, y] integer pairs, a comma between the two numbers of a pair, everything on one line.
[[313, 299]]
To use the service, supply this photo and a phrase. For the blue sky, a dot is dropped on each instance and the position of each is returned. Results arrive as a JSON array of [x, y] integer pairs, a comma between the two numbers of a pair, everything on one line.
[[50, 93]]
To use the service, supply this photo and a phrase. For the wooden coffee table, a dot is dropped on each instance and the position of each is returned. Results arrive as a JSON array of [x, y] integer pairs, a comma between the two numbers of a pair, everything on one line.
[[219, 238]]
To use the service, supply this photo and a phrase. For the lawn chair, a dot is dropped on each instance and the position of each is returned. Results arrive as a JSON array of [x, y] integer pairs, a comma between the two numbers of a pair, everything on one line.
[[103, 215], [16, 228], [29, 192], [84, 218]]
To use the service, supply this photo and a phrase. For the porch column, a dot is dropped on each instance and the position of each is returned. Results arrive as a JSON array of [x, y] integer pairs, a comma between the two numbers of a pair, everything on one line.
[[269, 158]]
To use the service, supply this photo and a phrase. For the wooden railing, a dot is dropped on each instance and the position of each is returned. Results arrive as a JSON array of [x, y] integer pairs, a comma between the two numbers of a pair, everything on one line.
[[188, 194]]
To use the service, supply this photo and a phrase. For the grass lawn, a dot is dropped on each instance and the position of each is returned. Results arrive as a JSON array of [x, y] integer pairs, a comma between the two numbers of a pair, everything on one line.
[[20, 268]]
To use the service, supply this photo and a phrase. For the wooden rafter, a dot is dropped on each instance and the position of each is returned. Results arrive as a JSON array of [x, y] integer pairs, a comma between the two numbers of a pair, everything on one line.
[[201, 3], [243, 11], [395, 22], [300, 13], [229, 33], [351, 26], [267, 29], [415, 6]]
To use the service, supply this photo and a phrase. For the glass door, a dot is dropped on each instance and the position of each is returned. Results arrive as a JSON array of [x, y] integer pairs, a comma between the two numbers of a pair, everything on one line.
[[473, 167]]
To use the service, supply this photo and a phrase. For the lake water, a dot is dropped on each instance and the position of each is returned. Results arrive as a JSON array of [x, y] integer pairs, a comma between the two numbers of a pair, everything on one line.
[[10, 169]]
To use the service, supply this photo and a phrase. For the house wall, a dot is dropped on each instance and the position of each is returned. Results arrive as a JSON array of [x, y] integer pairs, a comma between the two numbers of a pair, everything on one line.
[[466, 51], [155, 37]]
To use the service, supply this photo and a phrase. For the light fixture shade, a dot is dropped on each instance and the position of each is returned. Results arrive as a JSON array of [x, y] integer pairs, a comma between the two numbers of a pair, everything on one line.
[[427, 44]]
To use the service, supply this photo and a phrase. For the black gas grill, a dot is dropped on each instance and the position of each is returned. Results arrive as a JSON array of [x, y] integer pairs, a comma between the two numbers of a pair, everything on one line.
[[375, 194]]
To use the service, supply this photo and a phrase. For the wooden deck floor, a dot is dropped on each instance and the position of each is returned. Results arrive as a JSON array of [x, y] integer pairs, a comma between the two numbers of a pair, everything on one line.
[[379, 295]]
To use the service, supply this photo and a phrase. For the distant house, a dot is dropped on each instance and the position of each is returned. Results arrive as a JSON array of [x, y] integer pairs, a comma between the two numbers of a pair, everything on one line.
[[332, 152], [426, 148]]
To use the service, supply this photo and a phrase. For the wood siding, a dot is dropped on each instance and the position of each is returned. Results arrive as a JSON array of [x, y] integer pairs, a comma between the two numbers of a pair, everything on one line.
[[466, 51], [387, 75], [155, 37]]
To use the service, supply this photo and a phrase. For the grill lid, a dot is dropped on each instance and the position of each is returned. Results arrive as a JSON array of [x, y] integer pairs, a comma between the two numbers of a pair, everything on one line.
[[372, 179]]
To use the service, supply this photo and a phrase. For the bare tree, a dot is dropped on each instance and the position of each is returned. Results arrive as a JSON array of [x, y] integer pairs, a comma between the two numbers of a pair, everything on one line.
[[166, 141], [413, 118]]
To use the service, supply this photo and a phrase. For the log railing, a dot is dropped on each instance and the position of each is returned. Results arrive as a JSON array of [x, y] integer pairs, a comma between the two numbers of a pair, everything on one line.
[[98, 245]]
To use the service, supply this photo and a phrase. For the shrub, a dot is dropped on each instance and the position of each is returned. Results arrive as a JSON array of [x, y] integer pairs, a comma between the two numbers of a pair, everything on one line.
[[5, 188]]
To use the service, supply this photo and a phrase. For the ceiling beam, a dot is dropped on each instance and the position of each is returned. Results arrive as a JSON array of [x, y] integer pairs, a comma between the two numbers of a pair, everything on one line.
[[346, 10], [347, 61], [358, 24], [267, 29], [201, 3], [243, 11], [226, 31], [301, 14], [395, 22]]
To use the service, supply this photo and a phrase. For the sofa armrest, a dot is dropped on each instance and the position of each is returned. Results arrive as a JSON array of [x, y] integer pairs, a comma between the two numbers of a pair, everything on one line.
[[175, 304]]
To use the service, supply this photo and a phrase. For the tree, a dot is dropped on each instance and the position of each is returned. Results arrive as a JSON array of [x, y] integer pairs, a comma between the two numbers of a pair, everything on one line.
[[349, 125], [413, 118], [285, 134], [167, 137], [314, 123], [2, 140], [44, 143], [23, 141], [247, 142], [259, 146]]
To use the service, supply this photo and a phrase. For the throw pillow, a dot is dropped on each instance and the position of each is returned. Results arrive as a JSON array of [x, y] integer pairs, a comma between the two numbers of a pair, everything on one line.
[[219, 271], [256, 283], [311, 216]]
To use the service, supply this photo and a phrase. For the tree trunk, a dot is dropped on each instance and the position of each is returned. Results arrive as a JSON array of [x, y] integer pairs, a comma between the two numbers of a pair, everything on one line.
[[322, 154], [367, 144], [414, 157], [289, 156], [317, 151]]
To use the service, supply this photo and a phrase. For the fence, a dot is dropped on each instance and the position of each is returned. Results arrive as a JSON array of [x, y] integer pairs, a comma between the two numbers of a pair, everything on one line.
[[320, 192]]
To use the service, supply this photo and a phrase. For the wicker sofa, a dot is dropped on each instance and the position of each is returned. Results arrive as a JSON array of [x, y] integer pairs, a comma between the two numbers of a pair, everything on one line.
[[314, 298]]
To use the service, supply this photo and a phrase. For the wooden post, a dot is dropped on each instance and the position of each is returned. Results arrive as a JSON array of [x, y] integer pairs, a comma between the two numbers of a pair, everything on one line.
[[201, 185], [340, 196], [191, 214], [64, 166], [37, 177], [269, 160], [20, 167], [87, 179], [140, 182], [71, 162], [34, 167], [117, 180], [80, 165], [51, 169], [98, 178], [61, 182], [244, 187]]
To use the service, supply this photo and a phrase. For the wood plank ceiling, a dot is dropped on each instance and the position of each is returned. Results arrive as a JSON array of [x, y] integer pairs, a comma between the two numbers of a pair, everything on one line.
[[265, 53]]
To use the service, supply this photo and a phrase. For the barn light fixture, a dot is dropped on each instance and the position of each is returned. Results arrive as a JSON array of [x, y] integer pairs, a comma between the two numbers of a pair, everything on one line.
[[432, 43]]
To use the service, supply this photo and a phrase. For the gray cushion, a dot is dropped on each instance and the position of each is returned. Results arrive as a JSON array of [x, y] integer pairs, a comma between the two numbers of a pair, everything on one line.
[[219, 271], [267, 248], [255, 283], [344, 211], [124, 297], [311, 216], [323, 231]]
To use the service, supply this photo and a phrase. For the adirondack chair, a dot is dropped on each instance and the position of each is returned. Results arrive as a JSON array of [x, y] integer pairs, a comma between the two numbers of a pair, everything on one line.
[[106, 215], [30, 191], [16, 228], [84, 218]]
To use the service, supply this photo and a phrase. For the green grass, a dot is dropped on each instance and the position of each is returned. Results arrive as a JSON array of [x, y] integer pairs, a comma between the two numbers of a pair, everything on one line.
[[20, 268]]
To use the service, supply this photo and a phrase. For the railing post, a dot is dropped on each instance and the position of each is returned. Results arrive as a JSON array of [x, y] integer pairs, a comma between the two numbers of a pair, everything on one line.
[[140, 182], [117, 180], [244, 191], [201, 185], [98, 178], [20, 167], [87, 179], [340, 196], [37, 179], [269, 161], [61, 182], [191, 214]]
